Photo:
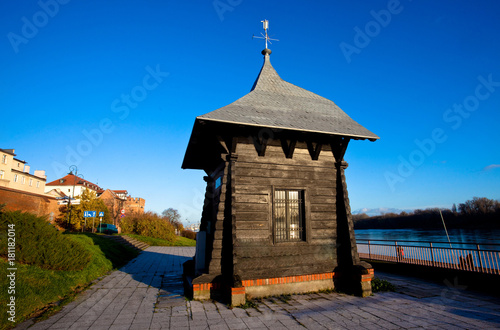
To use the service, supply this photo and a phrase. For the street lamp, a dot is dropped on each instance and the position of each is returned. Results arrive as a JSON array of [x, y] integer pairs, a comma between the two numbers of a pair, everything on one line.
[[71, 169]]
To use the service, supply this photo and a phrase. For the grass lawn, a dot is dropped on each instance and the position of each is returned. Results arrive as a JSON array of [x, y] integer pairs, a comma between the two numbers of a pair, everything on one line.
[[41, 292], [180, 241], [38, 291]]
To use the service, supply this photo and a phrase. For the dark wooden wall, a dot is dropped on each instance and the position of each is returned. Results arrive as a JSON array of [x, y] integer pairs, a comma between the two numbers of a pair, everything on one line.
[[256, 255]]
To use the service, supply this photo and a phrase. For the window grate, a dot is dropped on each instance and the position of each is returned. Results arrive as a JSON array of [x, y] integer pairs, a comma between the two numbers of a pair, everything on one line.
[[289, 215]]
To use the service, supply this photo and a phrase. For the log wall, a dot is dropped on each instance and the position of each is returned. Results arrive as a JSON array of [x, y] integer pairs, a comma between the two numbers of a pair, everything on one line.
[[256, 255]]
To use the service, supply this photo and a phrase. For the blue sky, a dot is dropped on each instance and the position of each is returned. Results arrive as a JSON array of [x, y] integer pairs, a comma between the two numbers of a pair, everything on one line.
[[114, 87]]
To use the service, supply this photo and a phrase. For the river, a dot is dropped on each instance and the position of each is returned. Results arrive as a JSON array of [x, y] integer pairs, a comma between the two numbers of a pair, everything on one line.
[[460, 238]]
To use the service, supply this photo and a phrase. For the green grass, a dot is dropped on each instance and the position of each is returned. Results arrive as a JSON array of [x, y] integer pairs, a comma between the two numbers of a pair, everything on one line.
[[180, 241], [39, 243], [40, 290], [379, 285], [248, 304]]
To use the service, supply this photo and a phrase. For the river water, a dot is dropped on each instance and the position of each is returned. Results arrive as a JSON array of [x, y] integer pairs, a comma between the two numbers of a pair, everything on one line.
[[460, 238]]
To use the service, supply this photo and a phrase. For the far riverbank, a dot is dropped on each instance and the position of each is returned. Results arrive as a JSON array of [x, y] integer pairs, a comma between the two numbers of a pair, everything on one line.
[[463, 236]]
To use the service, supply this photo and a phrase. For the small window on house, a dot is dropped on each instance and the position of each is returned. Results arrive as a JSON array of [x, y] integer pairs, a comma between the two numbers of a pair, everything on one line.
[[2, 173], [289, 222], [4, 159], [23, 180], [15, 177], [31, 182], [38, 184]]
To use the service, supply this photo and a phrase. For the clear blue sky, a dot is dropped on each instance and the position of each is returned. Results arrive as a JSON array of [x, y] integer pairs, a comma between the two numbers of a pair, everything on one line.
[[114, 87]]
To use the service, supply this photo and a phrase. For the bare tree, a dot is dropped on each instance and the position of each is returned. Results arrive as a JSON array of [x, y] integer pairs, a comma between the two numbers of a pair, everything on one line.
[[478, 206]]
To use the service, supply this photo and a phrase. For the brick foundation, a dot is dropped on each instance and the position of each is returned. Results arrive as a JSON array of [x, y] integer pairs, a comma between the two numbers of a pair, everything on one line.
[[256, 288]]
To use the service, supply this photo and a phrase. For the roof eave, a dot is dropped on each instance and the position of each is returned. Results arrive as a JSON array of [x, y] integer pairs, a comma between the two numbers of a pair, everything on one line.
[[359, 137]]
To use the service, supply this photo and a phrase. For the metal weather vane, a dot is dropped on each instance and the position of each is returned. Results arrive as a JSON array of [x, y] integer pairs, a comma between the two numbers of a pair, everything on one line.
[[265, 24]]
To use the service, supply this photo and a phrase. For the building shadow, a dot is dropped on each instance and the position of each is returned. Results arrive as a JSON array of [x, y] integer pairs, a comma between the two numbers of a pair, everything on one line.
[[160, 270]]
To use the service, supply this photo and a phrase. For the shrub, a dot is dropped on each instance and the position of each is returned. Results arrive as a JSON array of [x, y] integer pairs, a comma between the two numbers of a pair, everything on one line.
[[188, 234], [37, 242], [148, 224]]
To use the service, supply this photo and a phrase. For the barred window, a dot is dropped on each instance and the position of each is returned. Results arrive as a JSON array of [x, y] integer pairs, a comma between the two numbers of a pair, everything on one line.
[[289, 215]]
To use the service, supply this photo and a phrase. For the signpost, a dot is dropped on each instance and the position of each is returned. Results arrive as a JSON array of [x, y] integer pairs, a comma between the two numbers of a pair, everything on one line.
[[101, 214], [88, 214]]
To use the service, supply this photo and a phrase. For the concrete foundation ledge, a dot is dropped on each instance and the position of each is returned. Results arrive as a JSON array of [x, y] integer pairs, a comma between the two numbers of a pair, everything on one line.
[[205, 291], [289, 288], [238, 296], [206, 287], [288, 285]]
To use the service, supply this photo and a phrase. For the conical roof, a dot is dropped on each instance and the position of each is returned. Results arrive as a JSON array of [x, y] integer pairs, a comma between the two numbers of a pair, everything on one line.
[[275, 103]]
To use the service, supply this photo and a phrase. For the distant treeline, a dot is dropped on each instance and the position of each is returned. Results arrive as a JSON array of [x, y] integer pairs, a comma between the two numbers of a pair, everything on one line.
[[476, 213]]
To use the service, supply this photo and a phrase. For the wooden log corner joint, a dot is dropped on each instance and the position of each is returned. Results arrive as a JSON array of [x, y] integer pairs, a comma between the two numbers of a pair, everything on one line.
[[276, 217]]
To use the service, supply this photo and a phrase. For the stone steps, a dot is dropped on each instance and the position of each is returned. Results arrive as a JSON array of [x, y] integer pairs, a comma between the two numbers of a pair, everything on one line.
[[128, 241]]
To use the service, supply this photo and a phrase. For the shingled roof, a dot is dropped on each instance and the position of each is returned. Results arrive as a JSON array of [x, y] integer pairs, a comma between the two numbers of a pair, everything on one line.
[[275, 103], [73, 180]]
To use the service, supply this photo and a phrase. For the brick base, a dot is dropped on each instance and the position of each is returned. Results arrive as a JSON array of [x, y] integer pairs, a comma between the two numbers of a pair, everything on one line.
[[266, 287], [238, 296], [205, 291], [356, 281]]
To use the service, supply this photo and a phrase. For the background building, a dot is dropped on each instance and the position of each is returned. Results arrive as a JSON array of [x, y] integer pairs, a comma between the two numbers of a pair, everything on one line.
[[121, 205], [118, 202], [21, 190], [15, 174], [72, 185]]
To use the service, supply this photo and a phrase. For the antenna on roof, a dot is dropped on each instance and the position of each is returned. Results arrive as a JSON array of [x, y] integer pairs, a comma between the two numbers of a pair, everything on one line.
[[265, 24]]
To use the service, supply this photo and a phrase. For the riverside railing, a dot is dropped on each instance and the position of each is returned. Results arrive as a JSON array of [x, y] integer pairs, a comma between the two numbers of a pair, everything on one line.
[[480, 258]]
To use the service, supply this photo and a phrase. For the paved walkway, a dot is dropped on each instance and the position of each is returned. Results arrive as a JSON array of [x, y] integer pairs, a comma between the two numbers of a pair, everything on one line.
[[147, 294]]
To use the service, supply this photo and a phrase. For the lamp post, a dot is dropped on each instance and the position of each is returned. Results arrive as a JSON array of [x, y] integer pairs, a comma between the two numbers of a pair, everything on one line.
[[71, 169]]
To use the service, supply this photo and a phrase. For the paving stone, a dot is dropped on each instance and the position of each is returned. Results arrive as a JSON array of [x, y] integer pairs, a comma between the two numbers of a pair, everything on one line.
[[119, 327], [147, 294], [235, 323]]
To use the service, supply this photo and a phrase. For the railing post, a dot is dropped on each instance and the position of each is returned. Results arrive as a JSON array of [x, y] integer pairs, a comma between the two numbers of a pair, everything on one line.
[[396, 249], [432, 254], [369, 250], [479, 257]]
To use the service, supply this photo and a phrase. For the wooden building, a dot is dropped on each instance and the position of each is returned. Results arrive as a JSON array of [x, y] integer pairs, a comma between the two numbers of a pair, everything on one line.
[[276, 217]]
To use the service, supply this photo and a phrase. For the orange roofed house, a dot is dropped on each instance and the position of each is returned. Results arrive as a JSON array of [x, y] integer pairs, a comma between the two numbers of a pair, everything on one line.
[[115, 200]]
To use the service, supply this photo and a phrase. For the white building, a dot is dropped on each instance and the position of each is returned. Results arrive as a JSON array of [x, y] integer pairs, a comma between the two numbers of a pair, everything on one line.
[[71, 186]]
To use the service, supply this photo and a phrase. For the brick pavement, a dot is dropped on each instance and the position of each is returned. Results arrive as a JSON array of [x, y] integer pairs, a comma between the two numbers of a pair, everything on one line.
[[147, 294]]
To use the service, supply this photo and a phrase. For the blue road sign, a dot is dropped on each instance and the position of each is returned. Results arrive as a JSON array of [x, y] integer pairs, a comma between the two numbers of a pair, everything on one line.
[[89, 214], [101, 214]]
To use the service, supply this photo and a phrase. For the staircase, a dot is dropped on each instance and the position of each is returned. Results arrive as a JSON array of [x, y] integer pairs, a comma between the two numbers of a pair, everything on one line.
[[128, 241]]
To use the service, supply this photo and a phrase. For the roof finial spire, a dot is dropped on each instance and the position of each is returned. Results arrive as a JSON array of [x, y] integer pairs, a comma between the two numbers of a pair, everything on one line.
[[265, 24]]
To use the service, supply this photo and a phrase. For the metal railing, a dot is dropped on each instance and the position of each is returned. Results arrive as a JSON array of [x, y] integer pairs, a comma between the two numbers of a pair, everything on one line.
[[474, 259]]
